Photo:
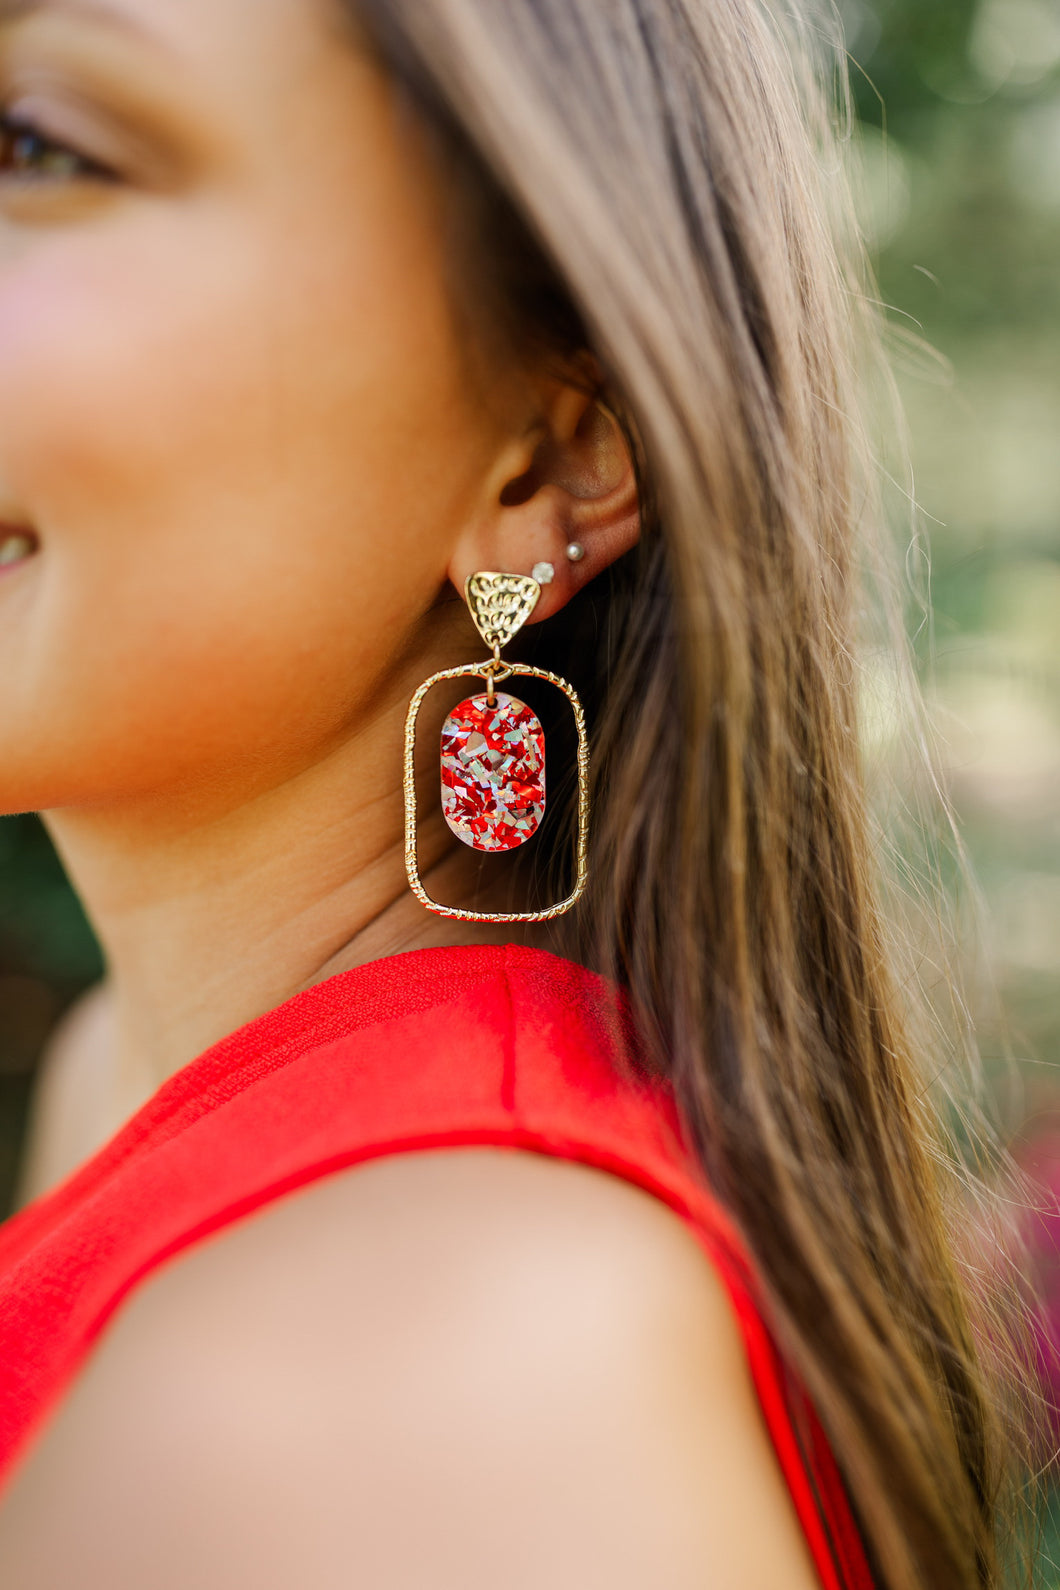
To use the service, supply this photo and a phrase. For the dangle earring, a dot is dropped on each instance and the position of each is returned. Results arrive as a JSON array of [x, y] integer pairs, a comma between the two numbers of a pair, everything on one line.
[[493, 749]]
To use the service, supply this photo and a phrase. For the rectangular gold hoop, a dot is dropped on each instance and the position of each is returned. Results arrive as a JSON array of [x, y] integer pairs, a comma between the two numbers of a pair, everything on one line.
[[474, 670]]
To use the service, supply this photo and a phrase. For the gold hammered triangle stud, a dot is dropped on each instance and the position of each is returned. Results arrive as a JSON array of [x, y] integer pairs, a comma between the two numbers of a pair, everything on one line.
[[493, 749], [501, 604]]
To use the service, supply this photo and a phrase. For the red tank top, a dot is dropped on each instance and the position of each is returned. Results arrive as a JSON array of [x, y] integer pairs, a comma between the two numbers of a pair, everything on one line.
[[507, 1047]]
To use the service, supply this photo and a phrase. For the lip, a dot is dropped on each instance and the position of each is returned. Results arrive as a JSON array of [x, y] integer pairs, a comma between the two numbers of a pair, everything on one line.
[[19, 544]]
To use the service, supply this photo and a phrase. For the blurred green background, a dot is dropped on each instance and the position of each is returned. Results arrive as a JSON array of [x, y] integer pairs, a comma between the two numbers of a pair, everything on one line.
[[47, 956], [960, 108]]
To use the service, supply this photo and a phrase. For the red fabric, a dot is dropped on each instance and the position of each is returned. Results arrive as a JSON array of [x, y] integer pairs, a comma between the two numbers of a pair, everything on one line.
[[481, 1045]]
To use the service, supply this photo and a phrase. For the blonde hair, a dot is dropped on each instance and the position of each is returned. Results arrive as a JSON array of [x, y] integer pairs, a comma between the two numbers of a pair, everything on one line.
[[654, 183]]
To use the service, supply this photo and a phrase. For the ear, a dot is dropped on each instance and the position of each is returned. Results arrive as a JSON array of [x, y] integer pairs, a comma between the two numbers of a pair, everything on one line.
[[568, 481]]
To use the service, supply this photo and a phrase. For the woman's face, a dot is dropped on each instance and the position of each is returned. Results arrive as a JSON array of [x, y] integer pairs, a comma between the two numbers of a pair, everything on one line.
[[234, 412]]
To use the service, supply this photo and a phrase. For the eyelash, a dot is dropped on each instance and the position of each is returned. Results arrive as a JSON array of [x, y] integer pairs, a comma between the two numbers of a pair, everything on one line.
[[22, 144]]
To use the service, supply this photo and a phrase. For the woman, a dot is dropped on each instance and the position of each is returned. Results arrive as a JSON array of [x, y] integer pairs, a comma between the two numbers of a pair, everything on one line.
[[384, 1246]]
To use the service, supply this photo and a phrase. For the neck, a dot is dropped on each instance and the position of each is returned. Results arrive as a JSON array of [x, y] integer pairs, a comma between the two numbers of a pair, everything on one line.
[[210, 918]]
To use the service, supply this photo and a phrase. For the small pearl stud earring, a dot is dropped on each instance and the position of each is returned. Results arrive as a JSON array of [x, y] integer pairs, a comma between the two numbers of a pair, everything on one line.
[[575, 552]]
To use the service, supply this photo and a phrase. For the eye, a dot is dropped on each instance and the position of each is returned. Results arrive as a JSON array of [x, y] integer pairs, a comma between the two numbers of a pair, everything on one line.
[[28, 153]]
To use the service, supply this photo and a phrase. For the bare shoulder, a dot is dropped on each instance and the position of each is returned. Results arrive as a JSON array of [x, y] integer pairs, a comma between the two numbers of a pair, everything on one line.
[[472, 1368]]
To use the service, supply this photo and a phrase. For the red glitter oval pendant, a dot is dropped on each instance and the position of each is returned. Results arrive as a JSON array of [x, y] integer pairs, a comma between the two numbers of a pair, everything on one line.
[[493, 772]]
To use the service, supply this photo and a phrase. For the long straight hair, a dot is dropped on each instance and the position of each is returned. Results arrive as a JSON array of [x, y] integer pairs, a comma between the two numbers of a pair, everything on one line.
[[653, 184]]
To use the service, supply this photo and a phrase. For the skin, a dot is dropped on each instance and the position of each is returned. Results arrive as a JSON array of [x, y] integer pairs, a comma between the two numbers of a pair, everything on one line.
[[254, 462], [223, 769]]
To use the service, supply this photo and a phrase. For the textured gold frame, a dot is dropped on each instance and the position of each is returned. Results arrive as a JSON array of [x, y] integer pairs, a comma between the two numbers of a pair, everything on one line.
[[483, 671]]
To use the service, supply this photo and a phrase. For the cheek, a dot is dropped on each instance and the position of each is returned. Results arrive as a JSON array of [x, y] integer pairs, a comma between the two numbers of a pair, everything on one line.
[[243, 455]]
